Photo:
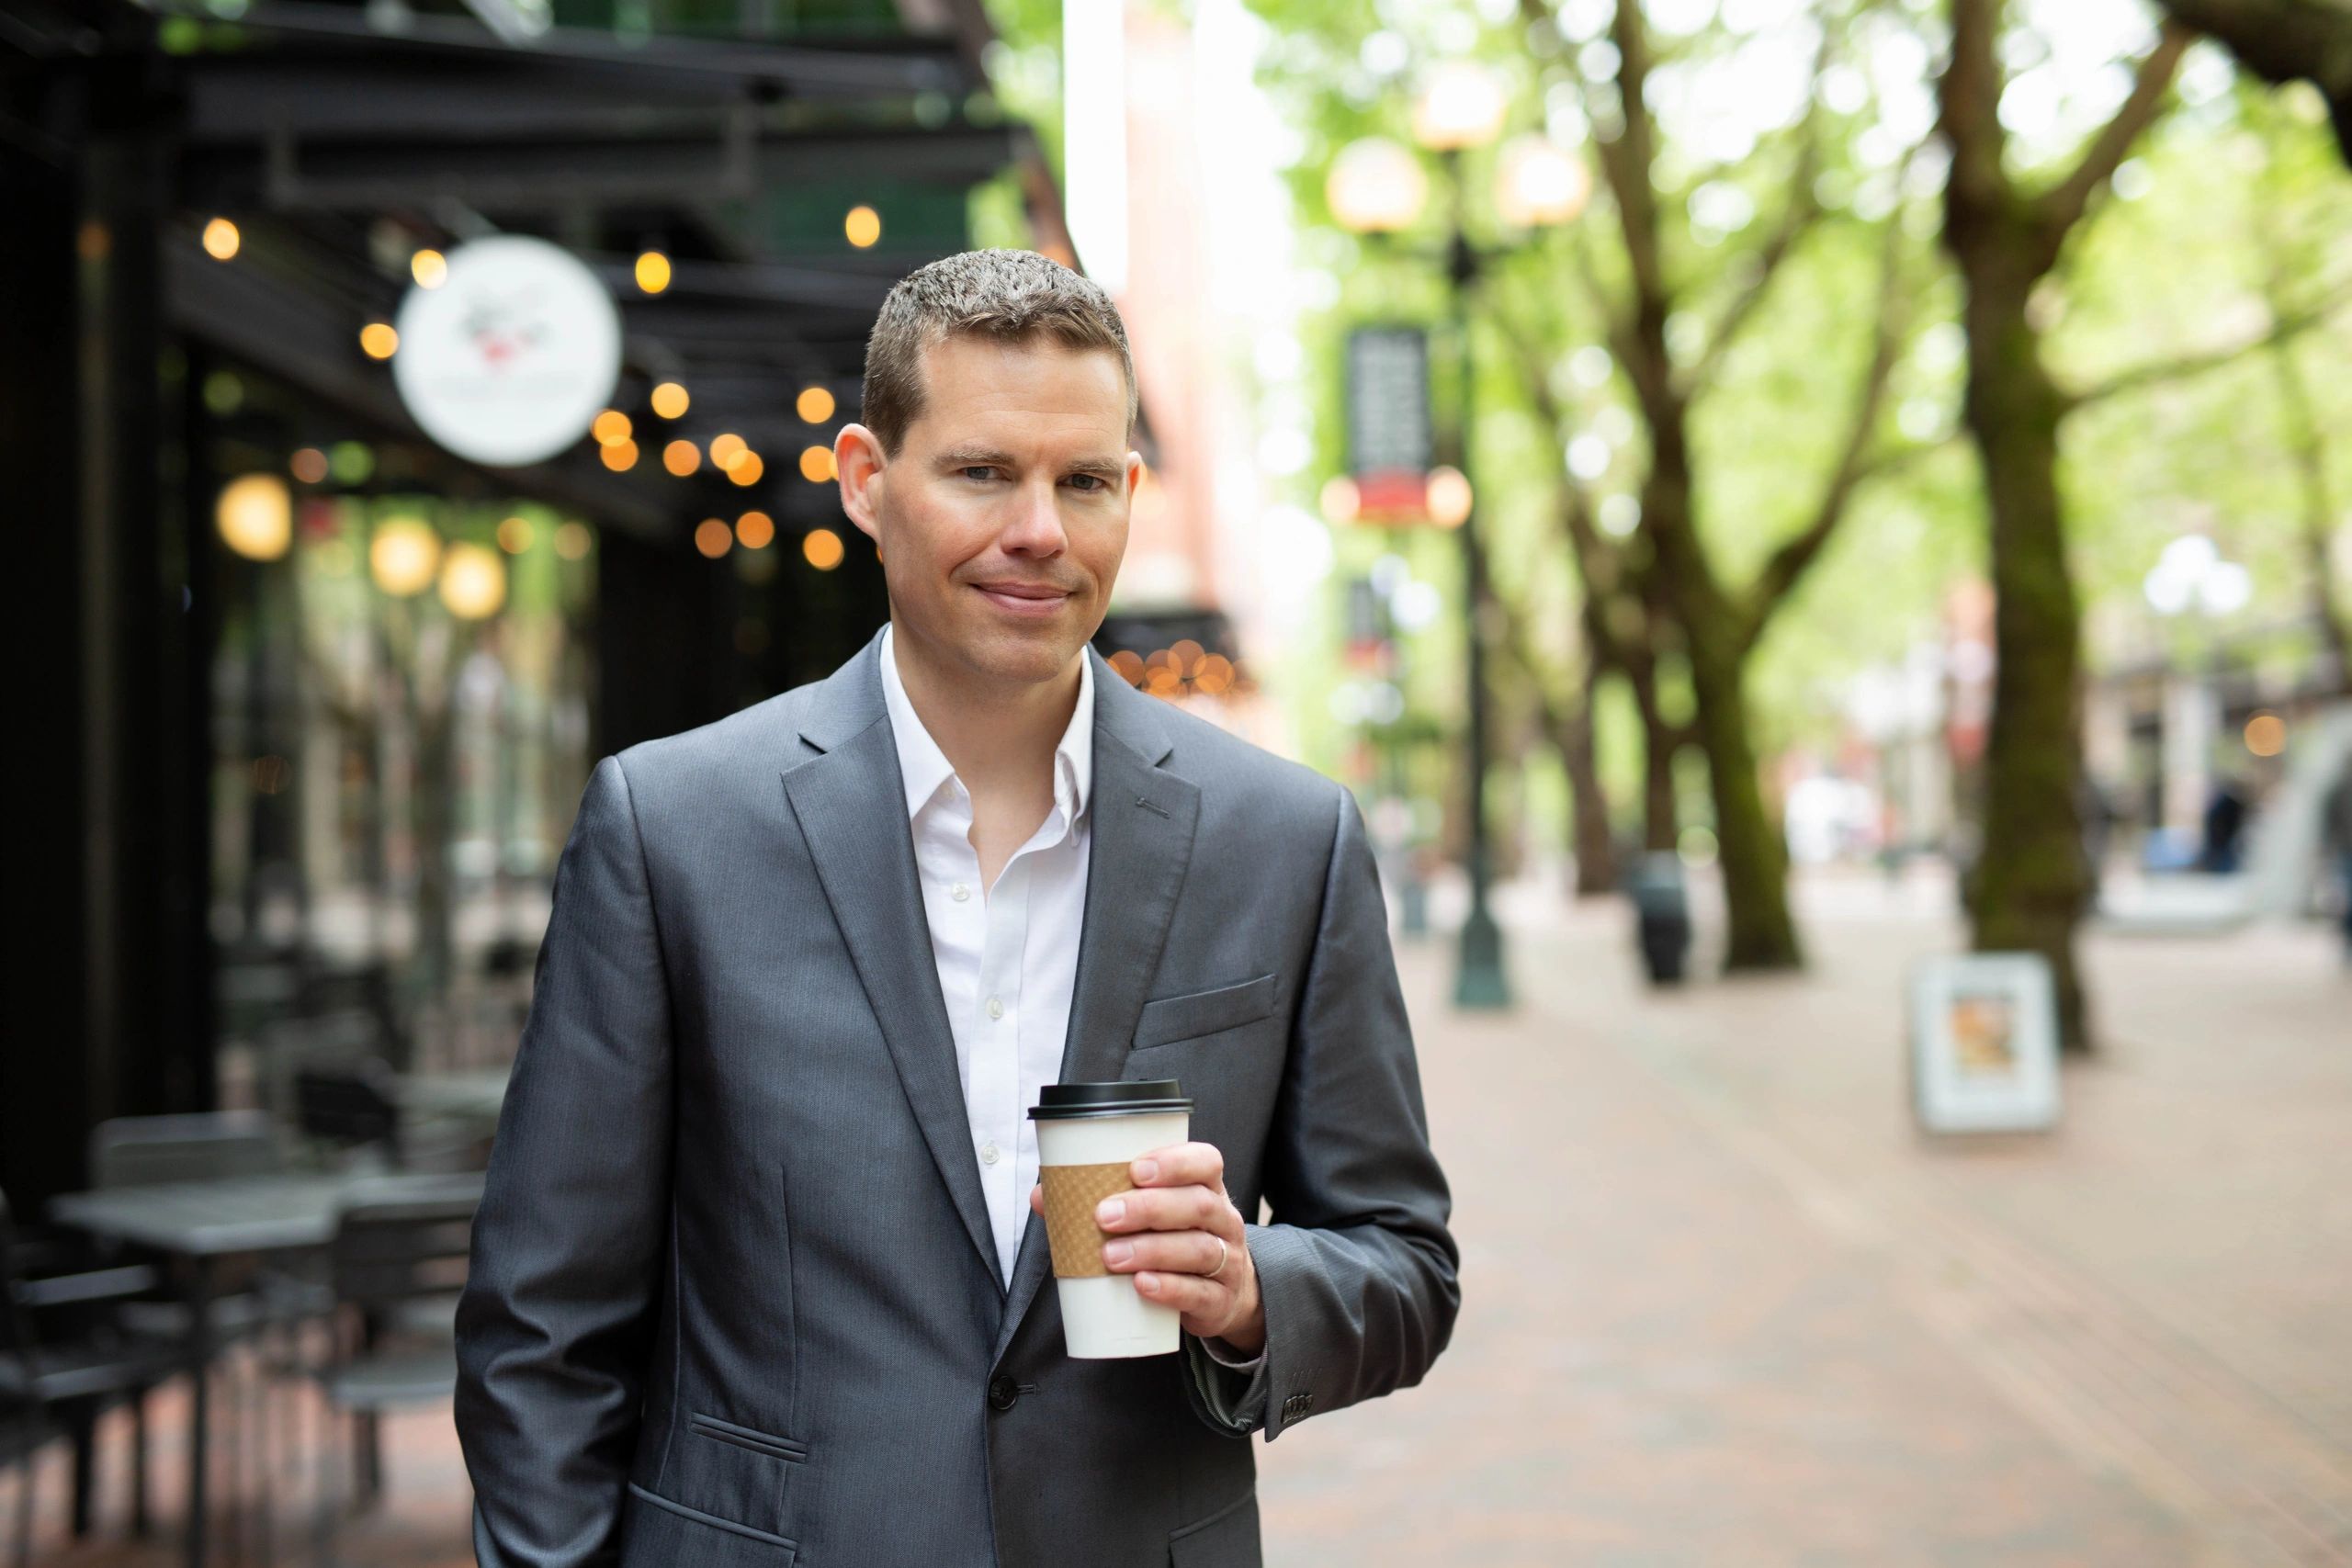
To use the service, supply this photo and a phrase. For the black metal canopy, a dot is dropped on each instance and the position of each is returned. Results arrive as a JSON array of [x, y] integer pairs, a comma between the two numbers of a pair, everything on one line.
[[340, 137]]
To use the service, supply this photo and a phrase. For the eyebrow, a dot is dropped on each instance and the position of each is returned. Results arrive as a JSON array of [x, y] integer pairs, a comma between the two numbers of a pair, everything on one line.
[[1104, 468]]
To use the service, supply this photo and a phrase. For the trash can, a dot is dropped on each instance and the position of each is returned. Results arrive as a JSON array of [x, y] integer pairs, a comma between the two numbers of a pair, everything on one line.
[[1661, 916]]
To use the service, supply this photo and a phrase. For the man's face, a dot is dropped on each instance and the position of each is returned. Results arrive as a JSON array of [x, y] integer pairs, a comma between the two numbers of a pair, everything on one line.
[[1003, 514]]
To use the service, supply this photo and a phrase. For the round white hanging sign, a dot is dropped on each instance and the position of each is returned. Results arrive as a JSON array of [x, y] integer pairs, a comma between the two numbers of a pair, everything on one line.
[[512, 356]]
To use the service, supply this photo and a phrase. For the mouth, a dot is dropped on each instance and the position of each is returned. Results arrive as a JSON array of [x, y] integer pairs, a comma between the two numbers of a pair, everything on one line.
[[1029, 599]]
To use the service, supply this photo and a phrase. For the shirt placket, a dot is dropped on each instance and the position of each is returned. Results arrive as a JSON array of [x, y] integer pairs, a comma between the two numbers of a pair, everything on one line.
[[996, 1060]]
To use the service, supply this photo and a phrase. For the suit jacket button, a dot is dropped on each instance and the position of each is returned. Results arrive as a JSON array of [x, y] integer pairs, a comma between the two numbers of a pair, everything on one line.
[[1002, 1391]]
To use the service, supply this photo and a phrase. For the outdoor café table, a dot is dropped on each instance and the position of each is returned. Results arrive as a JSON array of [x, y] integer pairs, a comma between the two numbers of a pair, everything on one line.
[[204, 1222]]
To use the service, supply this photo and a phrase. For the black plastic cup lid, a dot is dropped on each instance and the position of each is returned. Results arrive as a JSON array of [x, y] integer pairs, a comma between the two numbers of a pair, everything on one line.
[[1068, 1101]]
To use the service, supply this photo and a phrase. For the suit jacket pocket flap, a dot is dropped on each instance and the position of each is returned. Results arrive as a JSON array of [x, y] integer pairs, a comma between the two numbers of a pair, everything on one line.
[[1205, 1012]]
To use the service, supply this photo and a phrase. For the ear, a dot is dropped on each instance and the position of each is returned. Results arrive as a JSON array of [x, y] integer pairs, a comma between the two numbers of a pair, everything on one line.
[[859, 461], [1135, 474]]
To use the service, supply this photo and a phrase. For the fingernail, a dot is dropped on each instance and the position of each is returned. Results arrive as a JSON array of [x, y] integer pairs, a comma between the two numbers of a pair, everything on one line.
[[1118, 1252], [1110, 1212], [1148, 1283], [1146, 1170]]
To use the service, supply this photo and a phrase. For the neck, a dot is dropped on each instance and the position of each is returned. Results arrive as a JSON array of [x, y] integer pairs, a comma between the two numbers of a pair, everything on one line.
[[991, 731]]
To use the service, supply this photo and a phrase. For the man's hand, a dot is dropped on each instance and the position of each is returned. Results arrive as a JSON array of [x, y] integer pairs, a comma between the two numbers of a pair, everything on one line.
[[1167, 1234]]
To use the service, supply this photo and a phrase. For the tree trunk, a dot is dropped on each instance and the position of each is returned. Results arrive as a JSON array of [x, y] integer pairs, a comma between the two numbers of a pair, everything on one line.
[[1588, 805], [1755, 861], [2319, 512], [2031, 885], [1661, 824], [1753, 856]]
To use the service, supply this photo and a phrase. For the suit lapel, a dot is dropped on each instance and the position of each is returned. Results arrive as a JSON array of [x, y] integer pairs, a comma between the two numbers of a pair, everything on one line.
[[851, 809], [1142, 818]]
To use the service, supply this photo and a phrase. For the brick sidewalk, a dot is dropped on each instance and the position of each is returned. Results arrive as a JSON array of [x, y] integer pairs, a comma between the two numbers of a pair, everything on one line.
[[1724, 1307], [1725, 1310]]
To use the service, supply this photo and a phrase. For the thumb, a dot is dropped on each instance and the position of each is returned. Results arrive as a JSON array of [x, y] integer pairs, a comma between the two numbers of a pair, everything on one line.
[[1038, 1200]]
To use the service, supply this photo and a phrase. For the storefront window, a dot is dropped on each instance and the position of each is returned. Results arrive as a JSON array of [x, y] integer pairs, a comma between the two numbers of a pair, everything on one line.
[[400, 723]]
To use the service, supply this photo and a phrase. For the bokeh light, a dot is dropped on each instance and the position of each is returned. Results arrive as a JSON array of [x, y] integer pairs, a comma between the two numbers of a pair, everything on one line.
[[815, 405], [755, 530], [429, 268], [1449, 497], [404, 556], [619, 455], [611, 428], [515, 534], [713, 537], [652, 272], [473, 581], [682, 458], [2265, 735], [863, 226], [574, 541], [309, 465], [817, 464], [221, 239], [670, 399], [378, 341], [747, 469], [822, 549], [255, 517]]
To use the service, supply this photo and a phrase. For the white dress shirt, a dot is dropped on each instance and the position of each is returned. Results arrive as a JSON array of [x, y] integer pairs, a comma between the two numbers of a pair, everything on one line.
[[1008, 955]]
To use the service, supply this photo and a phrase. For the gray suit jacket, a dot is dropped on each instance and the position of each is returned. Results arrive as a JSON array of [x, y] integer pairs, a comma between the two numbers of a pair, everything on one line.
[[734, 1301]]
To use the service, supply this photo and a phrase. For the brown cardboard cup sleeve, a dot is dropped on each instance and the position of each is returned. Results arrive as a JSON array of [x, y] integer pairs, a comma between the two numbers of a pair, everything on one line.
[[1072, 1193]]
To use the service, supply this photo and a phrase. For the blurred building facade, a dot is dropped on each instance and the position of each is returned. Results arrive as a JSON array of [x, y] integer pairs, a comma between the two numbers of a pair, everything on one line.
[[312, 697]]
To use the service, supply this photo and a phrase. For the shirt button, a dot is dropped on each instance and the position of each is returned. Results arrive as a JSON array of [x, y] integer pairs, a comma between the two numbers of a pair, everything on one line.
[[959, 893], [989, 1154], [996, 1008]]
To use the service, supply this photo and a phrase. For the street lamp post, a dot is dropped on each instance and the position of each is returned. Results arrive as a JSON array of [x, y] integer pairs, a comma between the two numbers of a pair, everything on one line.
[[1376, 188], [1479, 980]]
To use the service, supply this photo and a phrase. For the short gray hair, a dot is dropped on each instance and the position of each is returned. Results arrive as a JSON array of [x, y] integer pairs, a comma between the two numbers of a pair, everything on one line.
[[1011, 296]]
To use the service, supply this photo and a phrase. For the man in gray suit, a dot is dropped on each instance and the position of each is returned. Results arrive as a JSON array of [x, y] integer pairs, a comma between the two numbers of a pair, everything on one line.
[[755, 1280]]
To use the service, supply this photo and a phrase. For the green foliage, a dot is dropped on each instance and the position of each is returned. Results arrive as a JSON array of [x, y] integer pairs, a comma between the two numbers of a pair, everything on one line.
[[2236, 197]]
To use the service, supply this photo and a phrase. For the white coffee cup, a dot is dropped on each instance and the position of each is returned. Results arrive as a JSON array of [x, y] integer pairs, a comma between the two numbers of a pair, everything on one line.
[[1091, 1131]]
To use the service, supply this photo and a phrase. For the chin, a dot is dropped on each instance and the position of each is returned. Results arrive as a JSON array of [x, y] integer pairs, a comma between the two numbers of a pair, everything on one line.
[[1012, 657]]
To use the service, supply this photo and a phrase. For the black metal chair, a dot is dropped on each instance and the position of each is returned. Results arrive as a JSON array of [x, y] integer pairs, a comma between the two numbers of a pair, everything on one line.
[[349, 1103], [398, 1262], [62, 1364], [134, 1151]]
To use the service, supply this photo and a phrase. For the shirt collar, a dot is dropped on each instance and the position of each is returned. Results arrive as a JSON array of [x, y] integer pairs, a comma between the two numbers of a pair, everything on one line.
[[923, 768]]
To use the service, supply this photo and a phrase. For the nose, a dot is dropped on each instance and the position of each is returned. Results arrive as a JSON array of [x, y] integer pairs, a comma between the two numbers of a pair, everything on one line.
[[1034, 528]]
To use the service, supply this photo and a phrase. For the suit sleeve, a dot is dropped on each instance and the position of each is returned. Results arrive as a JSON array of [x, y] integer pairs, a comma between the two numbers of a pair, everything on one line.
[[559, 1303], [1357, 1269]]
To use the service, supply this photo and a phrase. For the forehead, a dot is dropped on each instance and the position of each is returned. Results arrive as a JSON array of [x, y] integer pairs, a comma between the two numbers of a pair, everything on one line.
[[1025, 392]]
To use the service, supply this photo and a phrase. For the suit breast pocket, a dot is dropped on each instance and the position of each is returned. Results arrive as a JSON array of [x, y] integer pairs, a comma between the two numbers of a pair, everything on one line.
[[1200, 1013]]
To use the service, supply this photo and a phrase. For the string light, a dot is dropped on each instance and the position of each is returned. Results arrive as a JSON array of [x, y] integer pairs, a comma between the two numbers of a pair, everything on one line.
[[815, 405], [817, 464], [755, 530], [670, 399], [863, 226], [652, 272], [682, 458], [221, 239], [378, 341], [611, 427]]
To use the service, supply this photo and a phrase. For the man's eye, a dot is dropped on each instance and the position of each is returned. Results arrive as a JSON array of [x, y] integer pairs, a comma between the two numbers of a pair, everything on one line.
[[1089, 483], [978, 472]]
